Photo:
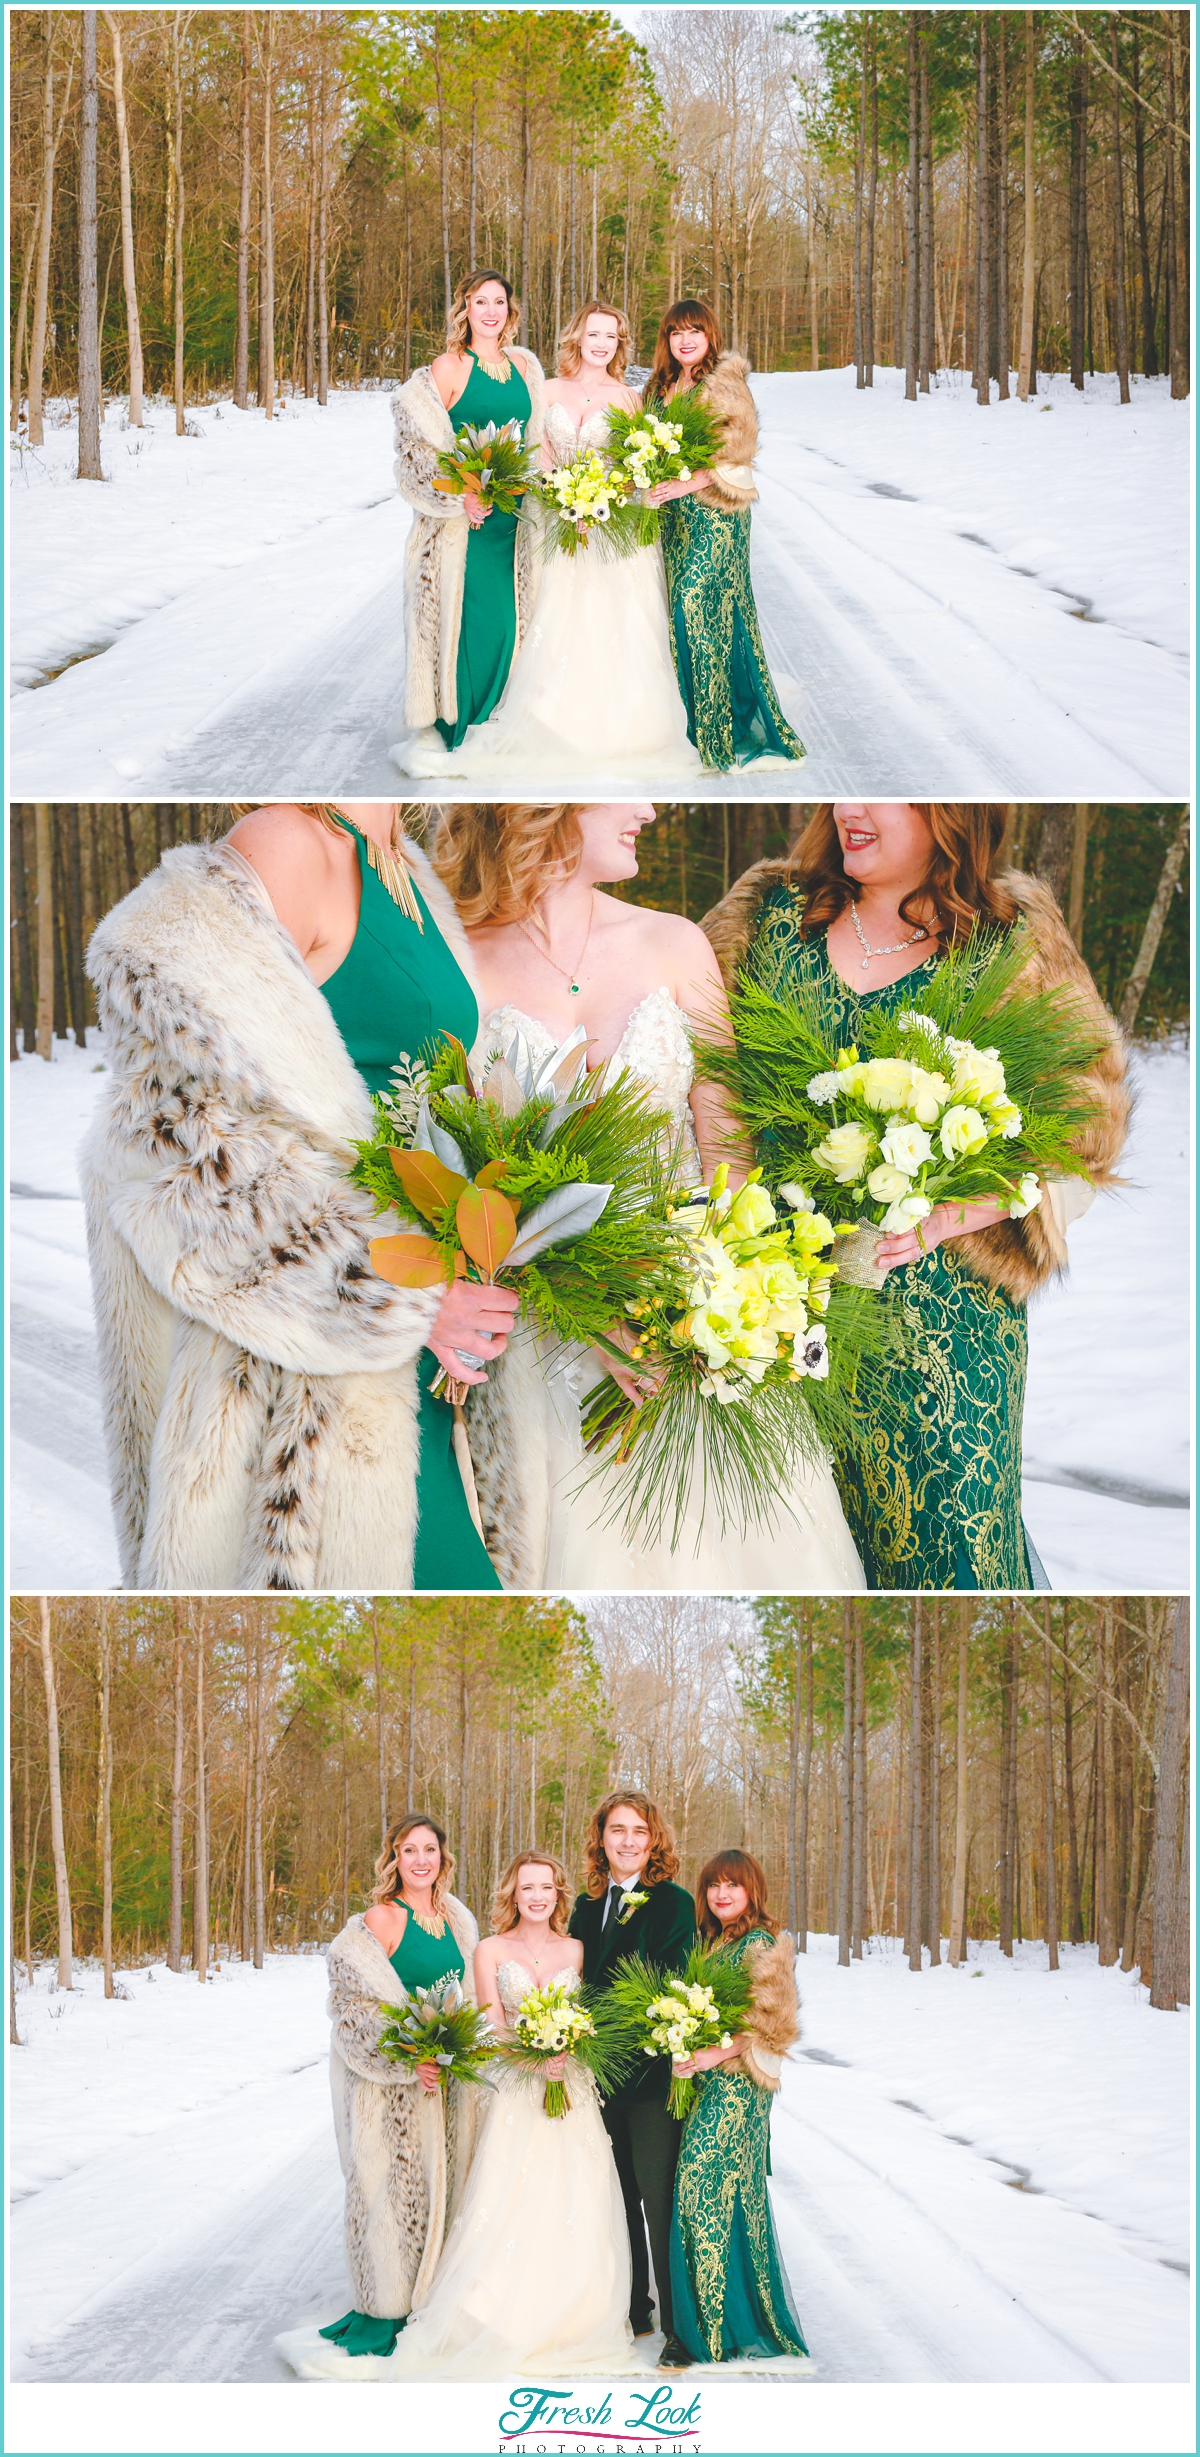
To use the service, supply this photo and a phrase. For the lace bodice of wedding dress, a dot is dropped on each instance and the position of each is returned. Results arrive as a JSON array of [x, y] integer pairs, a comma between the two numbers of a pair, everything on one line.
[[591, 694], [514, 1982], [656, 1046]]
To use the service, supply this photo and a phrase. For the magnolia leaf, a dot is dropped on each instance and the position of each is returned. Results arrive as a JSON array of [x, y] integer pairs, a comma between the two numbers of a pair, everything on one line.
[[491, 1174], [487, 1225], [561, 1070], [430, 1186], [502, 1089], [569, 1212], [430, 1137], [408, 1262]]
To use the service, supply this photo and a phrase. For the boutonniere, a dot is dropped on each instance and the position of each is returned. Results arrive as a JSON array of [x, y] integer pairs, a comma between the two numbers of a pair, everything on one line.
[[630, 1903]]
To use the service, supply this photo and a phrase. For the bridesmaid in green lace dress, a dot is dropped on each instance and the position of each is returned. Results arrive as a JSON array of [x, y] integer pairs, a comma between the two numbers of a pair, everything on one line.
[[734, 716], [729, 2291], [868, 901], [470, 581], [392, 984]]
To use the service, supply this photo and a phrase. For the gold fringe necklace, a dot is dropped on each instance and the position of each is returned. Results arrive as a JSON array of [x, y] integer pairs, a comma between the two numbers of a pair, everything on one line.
[[391, 870]]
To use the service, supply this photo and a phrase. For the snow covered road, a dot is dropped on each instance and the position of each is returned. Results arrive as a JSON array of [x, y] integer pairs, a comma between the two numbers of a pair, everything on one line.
[[1107, 1411], [181, 2145], [954, 602]]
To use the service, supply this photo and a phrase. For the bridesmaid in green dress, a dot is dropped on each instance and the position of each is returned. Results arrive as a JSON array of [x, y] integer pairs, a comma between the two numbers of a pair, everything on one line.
[[466, 626], [729, 2291], [872, 894], [392, 984], [734, 716]]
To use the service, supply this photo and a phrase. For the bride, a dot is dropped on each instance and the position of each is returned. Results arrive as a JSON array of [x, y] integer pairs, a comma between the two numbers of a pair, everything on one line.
[[598, 641], [551, 953]]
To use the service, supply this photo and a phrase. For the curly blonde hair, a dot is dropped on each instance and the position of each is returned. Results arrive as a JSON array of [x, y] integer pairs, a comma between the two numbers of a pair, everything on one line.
[[663, 1861], [570, 353], [498, 858], [387, 1866], [458, 322], [505, 1914]]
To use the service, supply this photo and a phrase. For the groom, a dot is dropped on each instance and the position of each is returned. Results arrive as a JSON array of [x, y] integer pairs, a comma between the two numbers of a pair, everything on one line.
[[631, 1906]]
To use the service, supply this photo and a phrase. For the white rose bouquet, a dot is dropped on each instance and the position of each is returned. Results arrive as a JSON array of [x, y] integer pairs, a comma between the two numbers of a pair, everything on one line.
[[659, 447], [736, 1330], [971, 1093], [672, 2013], [559, 2019]]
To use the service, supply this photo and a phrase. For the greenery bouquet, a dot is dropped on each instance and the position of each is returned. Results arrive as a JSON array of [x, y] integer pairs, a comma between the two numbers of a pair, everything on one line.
[[582, 501], [755, 1350], [535, 1171], [440, 2026], [657, 447], [672, 2013], [970, 1093], [582, 2023], [490, 462]]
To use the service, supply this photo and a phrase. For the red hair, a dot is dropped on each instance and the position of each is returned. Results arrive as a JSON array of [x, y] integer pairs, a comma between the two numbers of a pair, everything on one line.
[[959, 887], [686, 316], [737, 1868]]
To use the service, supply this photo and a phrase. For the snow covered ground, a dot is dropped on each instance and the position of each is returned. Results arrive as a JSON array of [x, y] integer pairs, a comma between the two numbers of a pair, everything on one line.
[[954, 601], [1106, 1423], [979, 2175]]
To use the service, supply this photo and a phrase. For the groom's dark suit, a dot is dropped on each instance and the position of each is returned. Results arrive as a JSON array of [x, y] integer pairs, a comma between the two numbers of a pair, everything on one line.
[[645, 2139]]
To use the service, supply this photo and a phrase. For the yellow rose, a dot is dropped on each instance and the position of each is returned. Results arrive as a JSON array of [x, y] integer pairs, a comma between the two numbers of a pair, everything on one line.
[[751, 1212], [928, 1096], [845, 1152], [977, 1072], [886, 1083], [962, 1131]]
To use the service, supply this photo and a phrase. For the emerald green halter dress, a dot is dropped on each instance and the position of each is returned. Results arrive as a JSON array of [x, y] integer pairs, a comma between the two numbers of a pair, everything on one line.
[[420, 1961], [398, 988], [488, 631], [933, 1496]]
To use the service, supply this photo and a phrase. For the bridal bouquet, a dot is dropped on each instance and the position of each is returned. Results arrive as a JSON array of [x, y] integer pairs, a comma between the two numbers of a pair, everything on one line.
[[491, 462], [970, 1094], [582, 500], [534, 1171], [558, 2019], [440, 2026], [754, 1349], [671, 2013], [649, 447]]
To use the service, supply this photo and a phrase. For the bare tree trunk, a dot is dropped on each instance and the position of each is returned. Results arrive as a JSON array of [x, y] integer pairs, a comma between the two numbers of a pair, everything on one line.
[[177, 86], [1135, 987], [310, 247], [133, 322], [1079, 839], [926, 218], [383, 1805], [266, 331], [1026, 379], [846, 1867], [175, 1915], [200, 1883], [410, 1800], [1118, 180], [860, 1786], [1006, 1789], [447, 282], [62, 1889], [44, 844], [323, 241], [527, 207], [983, 236], [1149, 287], [1055, 847], [259, 1753], [794, 1779], [860, 148], [1177, 288], [1105, 1823], [916, 1802], [1074, 1896], [872, 193], [241, 361], [104, 1795], [912, 318], [1001, 140], [1170, 1986], [1077, 121], [935, 1790], [806, 1789], [958, 1883], [41, 280], [1051, 1869]]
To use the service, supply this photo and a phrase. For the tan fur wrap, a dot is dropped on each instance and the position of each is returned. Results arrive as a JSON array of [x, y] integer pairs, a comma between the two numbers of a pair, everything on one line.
[[1017, 1255], [774, 2024], [259, 1380], [731, 484], [405, 2156], [435, 560]]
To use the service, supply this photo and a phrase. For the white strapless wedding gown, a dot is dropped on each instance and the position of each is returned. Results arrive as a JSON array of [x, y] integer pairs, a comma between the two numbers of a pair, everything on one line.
[[534, 2276], [808, 1549], [592, 686]]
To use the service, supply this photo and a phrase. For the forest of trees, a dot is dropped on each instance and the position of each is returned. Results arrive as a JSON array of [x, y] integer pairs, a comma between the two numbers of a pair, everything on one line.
[[270, 200], [1120, 871], [211, 1777]]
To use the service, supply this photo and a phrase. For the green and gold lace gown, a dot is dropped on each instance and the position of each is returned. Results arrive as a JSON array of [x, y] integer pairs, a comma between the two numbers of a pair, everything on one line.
[[733, 709], [934, 1498], [488, 631], [729, 2293], [398, 988], [420, 1961]]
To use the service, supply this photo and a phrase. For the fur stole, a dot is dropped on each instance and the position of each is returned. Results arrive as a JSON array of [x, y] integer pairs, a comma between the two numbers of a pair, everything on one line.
[[731, 486], [774, 2024], [1018, 1256], [436, 557]]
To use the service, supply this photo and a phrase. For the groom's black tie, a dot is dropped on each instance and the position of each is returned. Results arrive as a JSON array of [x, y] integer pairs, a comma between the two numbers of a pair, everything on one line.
[[614, 1896]]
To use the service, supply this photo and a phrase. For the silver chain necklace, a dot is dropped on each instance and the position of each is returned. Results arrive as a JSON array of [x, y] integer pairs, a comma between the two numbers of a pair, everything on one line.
[[870, 952], [568, 977]]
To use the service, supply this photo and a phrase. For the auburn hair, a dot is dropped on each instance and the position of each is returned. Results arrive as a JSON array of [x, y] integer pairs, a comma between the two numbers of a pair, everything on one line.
[[959, 887], [458, 322], [737, 1868], [387, 1866], [505, 1914], [663, 1861], [498, 858], [570, 353], [687, 315]]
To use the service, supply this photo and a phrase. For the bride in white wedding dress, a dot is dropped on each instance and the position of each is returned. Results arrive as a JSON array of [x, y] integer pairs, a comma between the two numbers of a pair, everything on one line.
[[552, 953], [593, 682]]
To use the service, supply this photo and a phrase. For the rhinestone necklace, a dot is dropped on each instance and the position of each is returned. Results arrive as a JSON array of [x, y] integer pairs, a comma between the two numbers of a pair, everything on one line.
[[870, 952], [568, 977]]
